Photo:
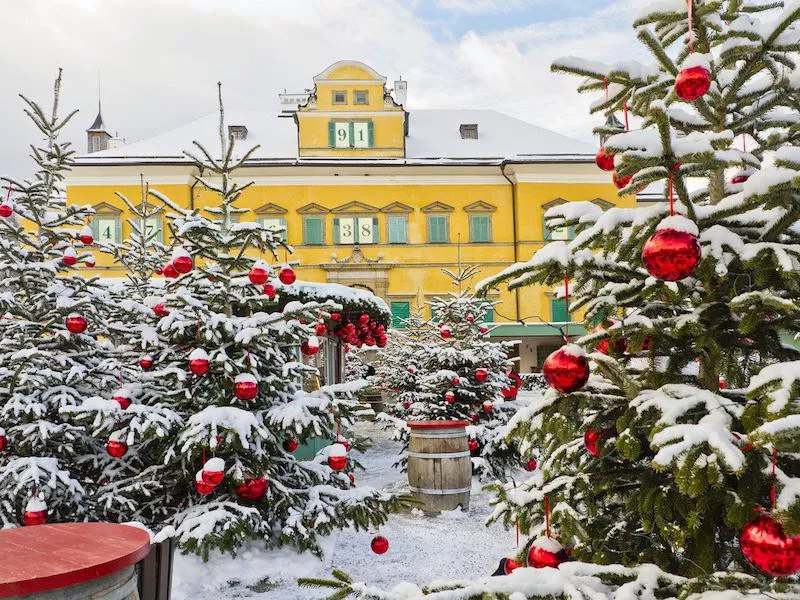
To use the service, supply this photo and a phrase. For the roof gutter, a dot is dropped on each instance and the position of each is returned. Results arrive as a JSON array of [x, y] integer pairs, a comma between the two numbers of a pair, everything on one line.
[[514, 231]]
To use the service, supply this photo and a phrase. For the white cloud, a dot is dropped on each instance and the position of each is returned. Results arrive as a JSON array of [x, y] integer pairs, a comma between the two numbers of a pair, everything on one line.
[[159, 61], [480, 6]]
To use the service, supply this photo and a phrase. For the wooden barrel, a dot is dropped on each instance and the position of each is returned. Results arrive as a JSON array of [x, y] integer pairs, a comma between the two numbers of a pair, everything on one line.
[[439, 465]]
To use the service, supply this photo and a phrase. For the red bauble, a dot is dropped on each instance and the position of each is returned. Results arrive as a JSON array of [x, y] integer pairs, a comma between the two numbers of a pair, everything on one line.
[[290, 444], [671, 255], [337, 463], [621, 182], [567, 369], [201, 486], [321, 329], [481, 374], [160, 310], [363, 319], [620, 346], [449, 397], [692, 83], [473, 417], [122, 398], [35, 512], [531, 465], [380, 341], [270, 291], [511, 565], [742, 175], [213, 471], [245, 386], [590, 439], [170, 272], [546, 552], [311, 347], [3, 439], [604, 160], [252, 488], [116, 448], [472, 445], [446, 332], [198, 362], [287, 276], [86, 237], [407, 404], [335, 316], [90, 262], [456, 381], [488, 406], [483, 329], [75, 323], [182, 263], [258, 275], [146, 362], [70, 257], [6, 210], [379, 544], [470, 319], [767, 547]]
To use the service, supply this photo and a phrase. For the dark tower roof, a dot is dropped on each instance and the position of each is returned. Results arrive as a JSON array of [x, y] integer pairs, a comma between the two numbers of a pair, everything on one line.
[[98, 124]]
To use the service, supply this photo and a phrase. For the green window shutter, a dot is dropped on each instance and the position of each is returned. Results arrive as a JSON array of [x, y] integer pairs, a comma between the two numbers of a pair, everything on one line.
[[376, 231], [285, 233], [479, 228], [336, 231], [546, 230], [95, 229], [331, 134], [118, 227], [371, 134], [397, 230], [312, 231], [488, 316], [437, 229], [400, 313], [352, 134], [571, 232], [558, 310]]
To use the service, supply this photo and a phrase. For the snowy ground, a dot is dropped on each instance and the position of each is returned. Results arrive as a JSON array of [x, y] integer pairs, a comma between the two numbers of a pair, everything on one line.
[[453, 546]]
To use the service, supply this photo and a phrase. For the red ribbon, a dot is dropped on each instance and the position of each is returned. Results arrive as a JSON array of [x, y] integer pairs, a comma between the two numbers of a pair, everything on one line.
[[689, 8], [625, 113], [547, 514]]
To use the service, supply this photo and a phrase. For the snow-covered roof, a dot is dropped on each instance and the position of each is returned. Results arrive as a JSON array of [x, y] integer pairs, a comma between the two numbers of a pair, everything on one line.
[[434, 137]]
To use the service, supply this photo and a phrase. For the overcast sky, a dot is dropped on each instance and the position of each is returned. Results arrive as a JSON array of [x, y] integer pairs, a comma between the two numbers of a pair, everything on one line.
[[158, 60]]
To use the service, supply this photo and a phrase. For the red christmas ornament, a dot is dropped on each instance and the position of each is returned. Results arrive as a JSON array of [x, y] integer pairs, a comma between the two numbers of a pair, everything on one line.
[[511, 565], [70, 257], [671, 255], [201, 486], [287, 276], [321, 329], [488, 406], [722, 383], [146, 362], [6, 210], [379, 544], [473, 417], [270, 291], [3, 439], [160, 310], [258, 275], [567, 369], [75, 323], [198, 362], [456, 381], [335, 316], [86, 237], [621, 182], [116, 448], [245, 386], [213, 471], [531, 465], [311, 347], [620, 346], [363, 319], [742, 175], [290, 444], [472, 445], [35, 512], [546, 552], [445, 332], [122, 398], [604, 160], [252, 488], [449, 397], [337, 457], [90, 261], [470, 319], [380, 341], [182, 261], [481, 374], [483, 329], [170, 272], [692, 83], [767, 547], [407, 404], [591, 439]]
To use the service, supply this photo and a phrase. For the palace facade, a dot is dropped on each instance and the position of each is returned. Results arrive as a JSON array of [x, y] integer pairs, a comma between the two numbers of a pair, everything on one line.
[[372, 193]]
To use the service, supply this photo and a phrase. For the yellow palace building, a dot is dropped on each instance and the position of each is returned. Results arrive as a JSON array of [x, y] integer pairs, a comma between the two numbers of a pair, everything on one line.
[[372, 193]]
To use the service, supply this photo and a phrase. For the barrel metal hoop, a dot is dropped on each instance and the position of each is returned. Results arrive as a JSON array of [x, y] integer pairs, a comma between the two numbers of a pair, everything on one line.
[[417, 433], [432, 492], [439, 454]]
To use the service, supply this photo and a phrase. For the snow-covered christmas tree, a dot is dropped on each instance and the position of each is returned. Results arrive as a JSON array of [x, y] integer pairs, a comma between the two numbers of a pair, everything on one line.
[[212, 456], [54, 353]]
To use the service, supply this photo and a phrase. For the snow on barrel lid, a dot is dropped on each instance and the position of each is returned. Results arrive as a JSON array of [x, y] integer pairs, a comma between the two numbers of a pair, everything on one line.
[[436, 424], [214, 465]]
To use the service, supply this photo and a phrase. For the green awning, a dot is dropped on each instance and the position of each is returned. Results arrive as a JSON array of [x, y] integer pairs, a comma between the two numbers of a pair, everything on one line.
[[535, 329]]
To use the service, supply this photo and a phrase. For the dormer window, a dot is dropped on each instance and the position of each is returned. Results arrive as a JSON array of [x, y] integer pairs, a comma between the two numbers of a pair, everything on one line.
[[468, 131], [339, 97], [361, 97], [238, 132]]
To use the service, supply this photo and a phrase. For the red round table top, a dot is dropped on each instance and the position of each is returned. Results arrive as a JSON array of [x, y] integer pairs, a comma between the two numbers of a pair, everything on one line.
[[436, 424], [47, 557]]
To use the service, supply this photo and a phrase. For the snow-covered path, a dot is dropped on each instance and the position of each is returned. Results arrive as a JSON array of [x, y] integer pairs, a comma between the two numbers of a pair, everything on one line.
[[453, 546]]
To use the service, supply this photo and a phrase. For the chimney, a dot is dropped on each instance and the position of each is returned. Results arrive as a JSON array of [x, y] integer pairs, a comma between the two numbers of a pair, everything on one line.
[[400, 91], [238, 132], [468, 131]]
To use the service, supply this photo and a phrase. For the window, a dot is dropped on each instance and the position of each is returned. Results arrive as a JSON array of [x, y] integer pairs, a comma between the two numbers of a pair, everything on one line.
[[488, 316], [351, 134], [361, 97], [480, 228], [401, 311], [438, 229], [559, 233], [558, 310], [339, 97], [313, 231], [397, 227], [542, 352], [275, 224], [355, 230], [107, 229], [154, 229]]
